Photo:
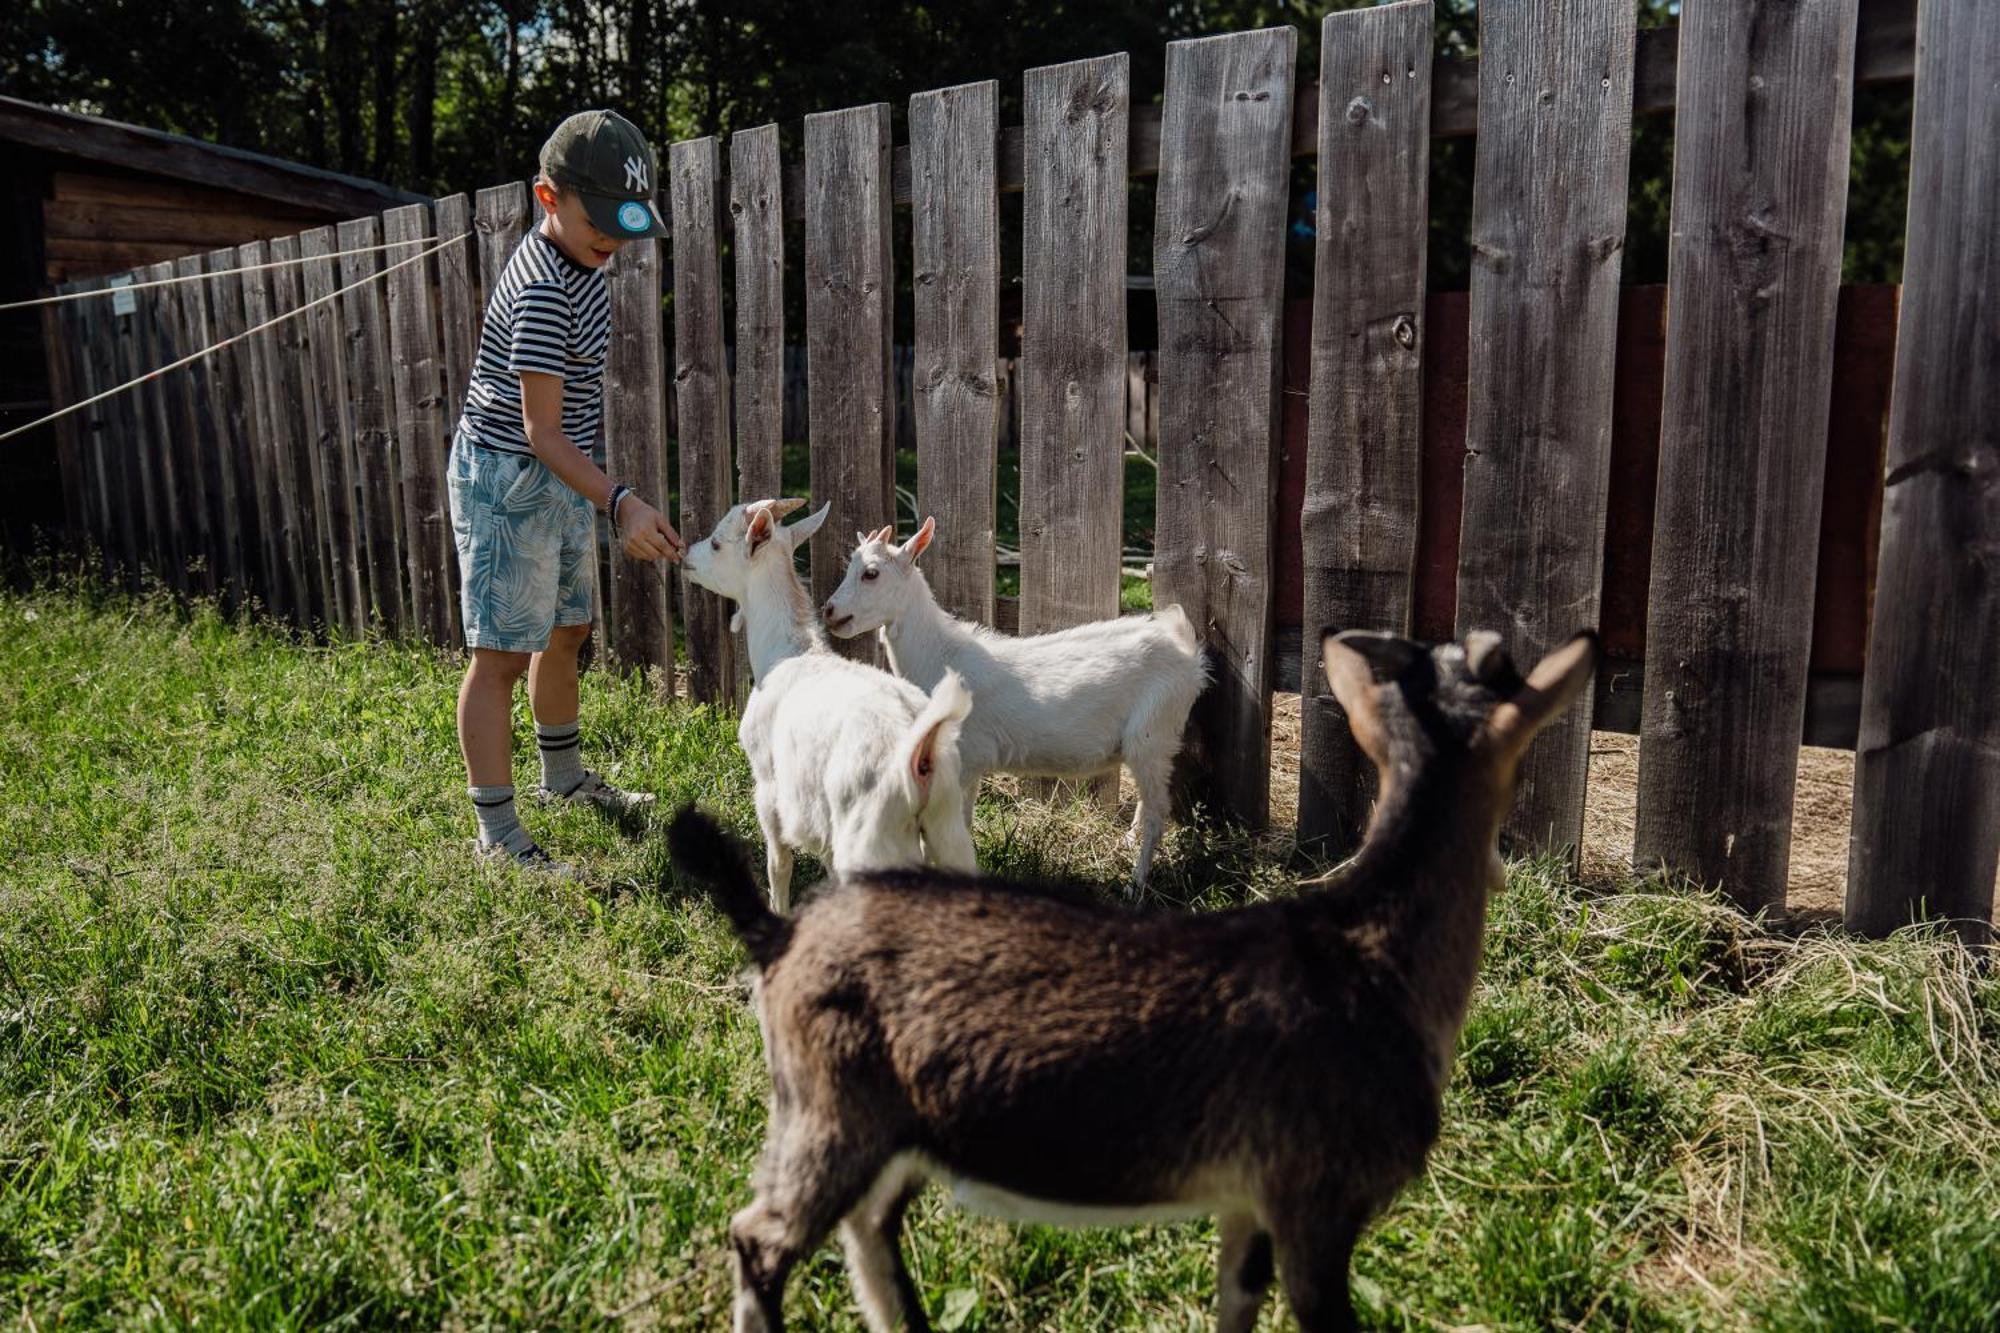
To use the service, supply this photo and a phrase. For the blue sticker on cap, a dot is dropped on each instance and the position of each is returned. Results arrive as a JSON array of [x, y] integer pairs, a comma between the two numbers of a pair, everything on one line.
[[632, 216]]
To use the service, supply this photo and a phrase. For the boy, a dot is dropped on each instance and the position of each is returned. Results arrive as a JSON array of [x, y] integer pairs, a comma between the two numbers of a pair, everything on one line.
[[525, 477]]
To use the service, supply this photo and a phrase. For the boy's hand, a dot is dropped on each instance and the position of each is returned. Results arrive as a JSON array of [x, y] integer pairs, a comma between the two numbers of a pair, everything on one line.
[[647, 534]]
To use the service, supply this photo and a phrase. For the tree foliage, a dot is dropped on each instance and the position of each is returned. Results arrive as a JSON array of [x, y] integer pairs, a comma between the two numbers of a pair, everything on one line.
[[440, 96]]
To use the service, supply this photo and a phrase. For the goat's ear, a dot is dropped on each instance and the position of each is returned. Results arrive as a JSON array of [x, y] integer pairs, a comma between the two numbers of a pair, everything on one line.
[[919, 541], [800, 532], [1354, 665], [784, 505], [1551, 687], [760, 523]]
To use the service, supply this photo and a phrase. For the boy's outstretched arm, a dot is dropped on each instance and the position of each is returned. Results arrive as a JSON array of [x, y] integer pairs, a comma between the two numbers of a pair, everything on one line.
[[646, 533]]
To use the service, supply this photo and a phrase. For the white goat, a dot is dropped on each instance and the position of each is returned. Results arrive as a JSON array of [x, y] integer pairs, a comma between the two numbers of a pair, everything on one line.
[[1076, 701], [851, 764]]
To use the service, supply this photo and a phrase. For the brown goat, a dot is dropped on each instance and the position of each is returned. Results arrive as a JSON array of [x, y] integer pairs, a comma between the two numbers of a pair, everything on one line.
[[1280, 1066]]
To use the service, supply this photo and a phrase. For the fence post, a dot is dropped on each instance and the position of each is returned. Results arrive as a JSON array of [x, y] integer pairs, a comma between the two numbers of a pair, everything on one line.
[[204, 449], [1555, 104], [333, 465], [418, 380], [276, 407], [635, 413], [1760, 187], [1364, 450], [1927, 765], [230, 406], [58, 348], [702, 399], [850, 309], [157, 440], [1072, 371], [372, 421], [955, 229], [1219, 263], [756, 202], [295, 413]]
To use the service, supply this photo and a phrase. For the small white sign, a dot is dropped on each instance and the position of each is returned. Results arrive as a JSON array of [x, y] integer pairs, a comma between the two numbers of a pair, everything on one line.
[[123, 303]]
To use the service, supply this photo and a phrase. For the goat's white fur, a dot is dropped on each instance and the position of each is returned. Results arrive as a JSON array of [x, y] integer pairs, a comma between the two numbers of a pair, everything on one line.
[[851, 764], [1075, 701]]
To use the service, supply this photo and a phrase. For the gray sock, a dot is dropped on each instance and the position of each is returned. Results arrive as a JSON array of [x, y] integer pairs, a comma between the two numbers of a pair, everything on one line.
[[562, 764], [498, 824]]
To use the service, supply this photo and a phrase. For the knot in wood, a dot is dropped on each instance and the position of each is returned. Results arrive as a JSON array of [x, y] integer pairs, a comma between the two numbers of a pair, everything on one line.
[[1405, 330], [1359, 110]]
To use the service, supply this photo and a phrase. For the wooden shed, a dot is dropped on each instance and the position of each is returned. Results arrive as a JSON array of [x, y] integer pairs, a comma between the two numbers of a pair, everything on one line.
[[85, 196]]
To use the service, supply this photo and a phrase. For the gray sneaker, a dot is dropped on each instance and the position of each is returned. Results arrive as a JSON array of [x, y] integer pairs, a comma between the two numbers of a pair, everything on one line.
[[530, 858], [594, 790]]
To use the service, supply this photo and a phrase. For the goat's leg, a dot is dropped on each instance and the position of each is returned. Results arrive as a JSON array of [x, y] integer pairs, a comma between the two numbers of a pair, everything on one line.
[[777, 856], [1149, 821], [871, 1237], [1315, 1247], [1244, 1275], [806, 1184]]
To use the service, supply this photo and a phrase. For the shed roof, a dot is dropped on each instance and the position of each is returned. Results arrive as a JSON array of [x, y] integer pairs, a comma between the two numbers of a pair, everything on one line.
[[181, 157]]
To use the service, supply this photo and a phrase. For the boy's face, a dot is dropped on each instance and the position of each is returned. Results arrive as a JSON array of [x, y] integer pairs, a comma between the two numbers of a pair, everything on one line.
[[565, 223]]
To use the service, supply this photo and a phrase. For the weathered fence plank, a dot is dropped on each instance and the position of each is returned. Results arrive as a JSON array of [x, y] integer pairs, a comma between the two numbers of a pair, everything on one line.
[[294, 393], [276, 409], [372, 421], [635, 416], [756, 207], [1364, 446], [1927, 766], [850, 307], [1760, 188], [332, 464], [203, 447], [131, 473], [1072, 372], [230, 406], [955, 227], [702, 397], [502, 216], [167, 484], [59, 352], [461, 312], [261, 434], [422, 427], [1219, 266], [89, 324], [1555, 104]]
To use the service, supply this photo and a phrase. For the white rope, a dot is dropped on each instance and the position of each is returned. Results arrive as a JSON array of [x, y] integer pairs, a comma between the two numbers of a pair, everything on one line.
[[193, 357], [123, 287]]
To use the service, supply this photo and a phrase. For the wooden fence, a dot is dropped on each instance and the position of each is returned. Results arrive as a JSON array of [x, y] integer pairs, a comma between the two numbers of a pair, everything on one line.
[[303, 467]]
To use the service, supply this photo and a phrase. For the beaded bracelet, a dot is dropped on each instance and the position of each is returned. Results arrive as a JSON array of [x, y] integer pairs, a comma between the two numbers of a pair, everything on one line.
[[611, 505]]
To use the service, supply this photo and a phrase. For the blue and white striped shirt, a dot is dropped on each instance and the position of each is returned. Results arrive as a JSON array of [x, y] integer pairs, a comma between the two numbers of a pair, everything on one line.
[[550, 314]]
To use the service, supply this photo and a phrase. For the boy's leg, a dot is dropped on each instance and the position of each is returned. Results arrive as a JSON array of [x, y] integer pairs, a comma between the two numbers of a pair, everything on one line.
[[552, 677], [486, 739], [508, 549]]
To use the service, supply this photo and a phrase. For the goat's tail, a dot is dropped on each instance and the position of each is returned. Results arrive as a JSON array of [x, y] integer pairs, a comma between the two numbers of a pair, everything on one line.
[[706, 854], [929, 752]]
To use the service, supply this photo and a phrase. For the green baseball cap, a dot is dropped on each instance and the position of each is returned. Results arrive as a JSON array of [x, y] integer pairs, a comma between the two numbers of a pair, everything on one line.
[[603, 157]]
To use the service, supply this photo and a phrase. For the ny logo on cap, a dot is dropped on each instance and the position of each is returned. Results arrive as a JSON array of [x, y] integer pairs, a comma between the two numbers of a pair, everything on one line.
[[635, 174]]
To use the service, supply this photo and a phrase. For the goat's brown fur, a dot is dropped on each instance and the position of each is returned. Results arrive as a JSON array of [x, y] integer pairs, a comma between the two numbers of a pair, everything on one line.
[[1281, 1065]]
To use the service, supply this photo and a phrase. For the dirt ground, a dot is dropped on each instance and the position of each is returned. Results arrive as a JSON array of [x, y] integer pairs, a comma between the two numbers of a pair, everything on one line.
[[1820, 811]]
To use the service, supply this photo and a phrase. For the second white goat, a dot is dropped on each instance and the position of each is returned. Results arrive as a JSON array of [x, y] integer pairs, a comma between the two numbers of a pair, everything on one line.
[[851, 764], [1072, 702]]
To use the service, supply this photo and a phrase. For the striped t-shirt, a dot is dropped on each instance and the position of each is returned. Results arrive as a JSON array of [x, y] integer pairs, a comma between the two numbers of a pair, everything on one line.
[[550, 314]]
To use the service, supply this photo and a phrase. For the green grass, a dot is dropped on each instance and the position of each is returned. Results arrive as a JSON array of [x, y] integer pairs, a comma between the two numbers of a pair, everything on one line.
[[274, 1052]]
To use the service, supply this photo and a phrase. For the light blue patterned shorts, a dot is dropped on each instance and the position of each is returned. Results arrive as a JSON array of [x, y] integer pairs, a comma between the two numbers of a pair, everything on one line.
[[527, 549]]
